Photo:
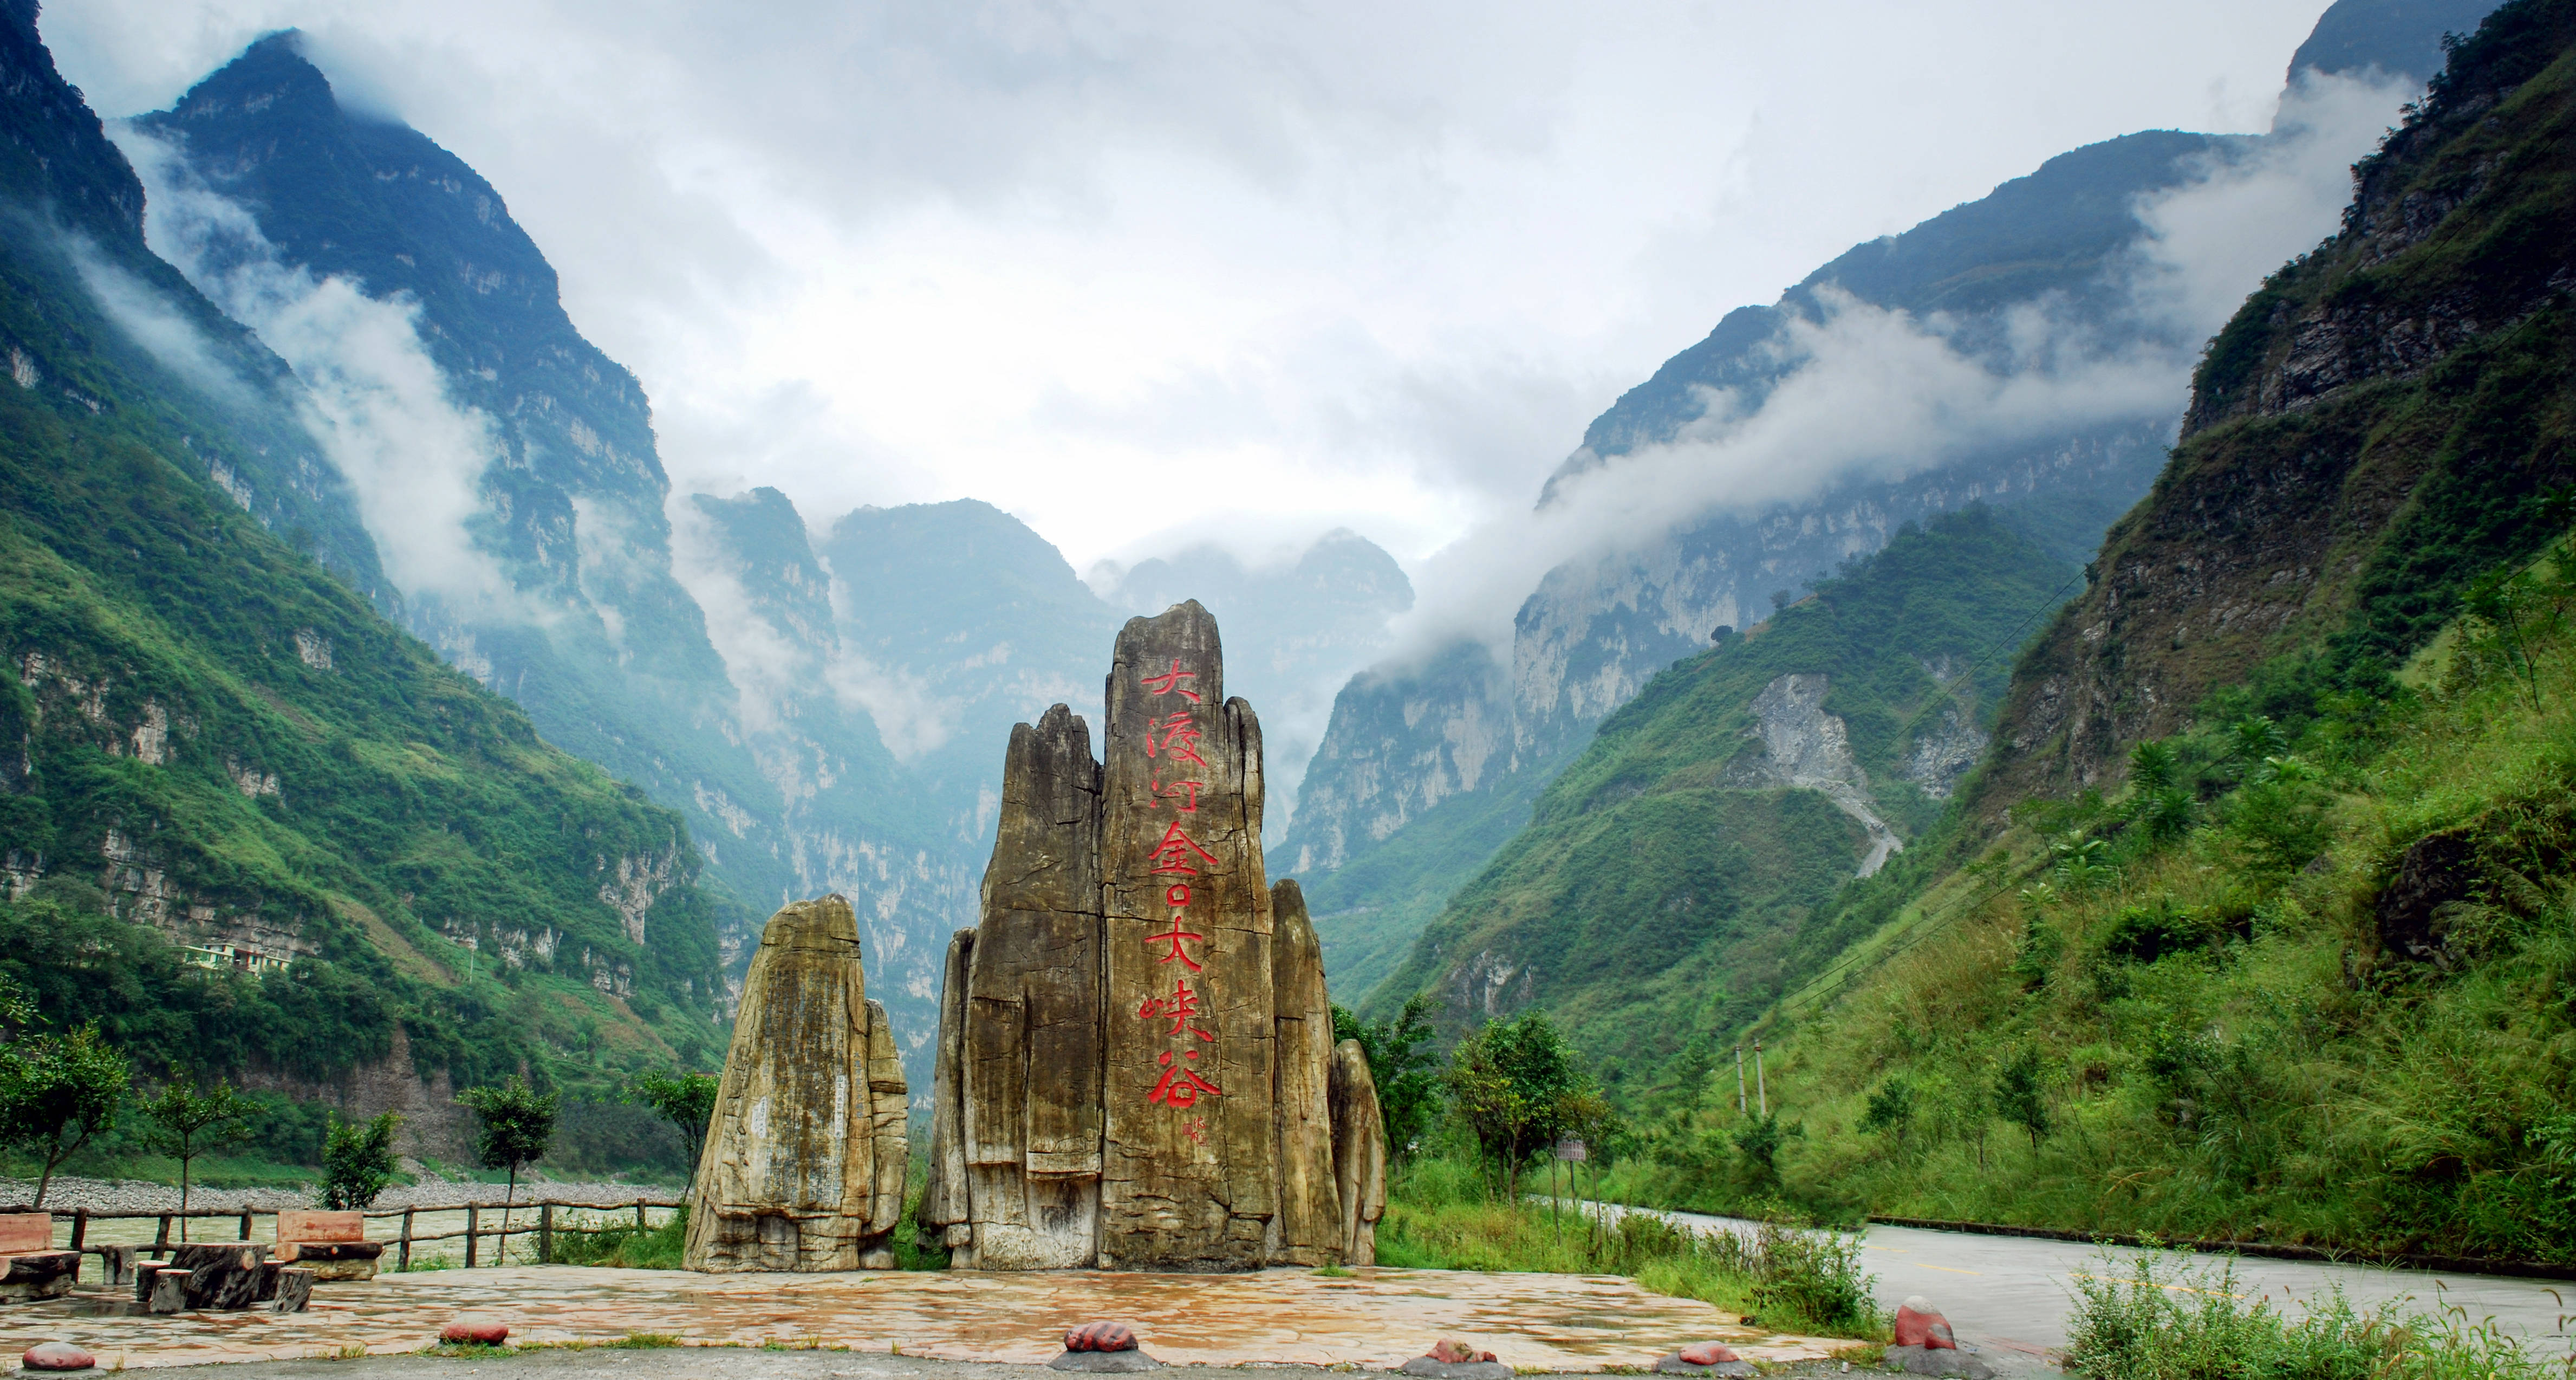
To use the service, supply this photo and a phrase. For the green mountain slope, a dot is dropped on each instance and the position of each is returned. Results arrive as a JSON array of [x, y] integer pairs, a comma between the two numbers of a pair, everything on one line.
[[2372, 430], [2269, 933], [1666, 870], [246, 822]]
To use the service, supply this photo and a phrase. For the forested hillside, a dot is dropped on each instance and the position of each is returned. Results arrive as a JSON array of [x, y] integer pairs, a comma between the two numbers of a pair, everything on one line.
[[2263, 924], [1668, 871], [250, 825]]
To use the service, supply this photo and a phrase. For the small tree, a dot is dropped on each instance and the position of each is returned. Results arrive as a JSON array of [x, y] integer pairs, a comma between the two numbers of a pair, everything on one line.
[[1891, 1108], [357, 1161], [1758, 1144], [686, 1100], [2020, 1096], [58, 1091], [188, 1121], [1407, 1074], [518, 1128], [1515, 1082]]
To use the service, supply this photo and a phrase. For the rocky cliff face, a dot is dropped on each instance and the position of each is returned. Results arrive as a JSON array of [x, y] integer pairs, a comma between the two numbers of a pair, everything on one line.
[[2378, 425]]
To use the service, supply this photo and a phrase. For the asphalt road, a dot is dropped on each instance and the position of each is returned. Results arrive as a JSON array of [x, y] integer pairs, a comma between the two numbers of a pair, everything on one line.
[[2011, 1295]]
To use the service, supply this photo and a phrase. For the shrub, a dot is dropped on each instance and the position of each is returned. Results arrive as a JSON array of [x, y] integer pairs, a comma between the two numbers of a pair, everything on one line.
[[2160, 1318], [357, 1161]]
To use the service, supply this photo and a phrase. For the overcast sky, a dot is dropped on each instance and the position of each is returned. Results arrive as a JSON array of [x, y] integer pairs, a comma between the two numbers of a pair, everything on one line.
[[1159, 272]]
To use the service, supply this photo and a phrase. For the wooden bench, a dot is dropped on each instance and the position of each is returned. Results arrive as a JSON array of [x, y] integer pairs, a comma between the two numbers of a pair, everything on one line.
[[333, 1245], [35, 1269]]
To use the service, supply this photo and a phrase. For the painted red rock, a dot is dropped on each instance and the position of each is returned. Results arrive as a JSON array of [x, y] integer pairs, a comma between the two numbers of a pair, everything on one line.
[[1709, 1354], [476, 1331], [1100, 1336], [1456, 1353], [1917, 1324], [57, 1356]]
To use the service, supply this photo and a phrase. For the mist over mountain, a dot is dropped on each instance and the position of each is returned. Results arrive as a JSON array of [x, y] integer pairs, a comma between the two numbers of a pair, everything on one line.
[[246, 821], [827, 710], [2030, 350]]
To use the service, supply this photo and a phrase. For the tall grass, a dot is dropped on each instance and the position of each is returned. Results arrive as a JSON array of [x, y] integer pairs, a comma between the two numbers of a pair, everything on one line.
[[2219, 1041], [2163, 1318], [620, 1244], [1442, 1214]]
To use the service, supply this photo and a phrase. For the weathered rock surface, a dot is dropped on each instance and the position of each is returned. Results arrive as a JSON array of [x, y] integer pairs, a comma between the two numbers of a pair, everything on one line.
[[1947, 1361], [1127, 1362], [56, 1356], [1359, 1153], [1135, 1056], [1426, 1368], [805, 1156]]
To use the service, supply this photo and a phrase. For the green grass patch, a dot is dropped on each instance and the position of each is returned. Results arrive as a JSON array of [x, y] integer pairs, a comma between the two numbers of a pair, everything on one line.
[[2159, 1318], [1440, 1216]]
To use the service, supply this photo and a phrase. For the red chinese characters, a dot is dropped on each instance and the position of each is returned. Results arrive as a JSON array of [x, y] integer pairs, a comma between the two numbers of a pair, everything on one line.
[[1172, 740], [1172, 852], [1175, 936], [1178, 1008], [1181, 1084], [1175, 736], [1169, 682]]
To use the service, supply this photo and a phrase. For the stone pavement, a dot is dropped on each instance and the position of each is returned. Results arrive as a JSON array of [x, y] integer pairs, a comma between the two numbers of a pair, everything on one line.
[[1375, 1318]]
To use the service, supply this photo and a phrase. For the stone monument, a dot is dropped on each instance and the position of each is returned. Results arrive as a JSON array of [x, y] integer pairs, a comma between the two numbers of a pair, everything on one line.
[[805, 1155], [1135, 1060]]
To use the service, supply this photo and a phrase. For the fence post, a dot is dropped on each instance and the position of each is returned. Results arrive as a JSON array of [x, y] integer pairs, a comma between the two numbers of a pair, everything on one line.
[[545, 1233], [640, 1223], [80, 1227], [473, 1220], [402, 1256], [161, 1241], [245, 1225]]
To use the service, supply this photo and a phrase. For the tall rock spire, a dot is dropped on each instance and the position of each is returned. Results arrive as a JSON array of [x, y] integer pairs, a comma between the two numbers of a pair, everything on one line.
[[805, 1157], [1135, 1053]]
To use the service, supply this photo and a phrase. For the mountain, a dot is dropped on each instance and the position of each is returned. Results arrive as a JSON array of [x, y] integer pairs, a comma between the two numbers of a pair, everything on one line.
[[2367, 435], [2077, 256], [2256, 928], [249, 824], [827, 709], [514, 475], [1665, 872]]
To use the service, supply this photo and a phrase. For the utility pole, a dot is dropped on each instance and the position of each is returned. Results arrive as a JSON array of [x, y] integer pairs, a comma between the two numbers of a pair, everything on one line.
[[1740, 1098], [1760, 1088]]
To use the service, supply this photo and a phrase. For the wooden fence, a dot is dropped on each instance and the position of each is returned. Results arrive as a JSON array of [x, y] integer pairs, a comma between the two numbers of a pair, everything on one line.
[[474, 1234]]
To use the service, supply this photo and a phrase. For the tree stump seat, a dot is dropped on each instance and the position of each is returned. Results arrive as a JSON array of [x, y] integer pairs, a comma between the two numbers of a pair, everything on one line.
[[212, 1274], [333, 1245], [34, 1269]]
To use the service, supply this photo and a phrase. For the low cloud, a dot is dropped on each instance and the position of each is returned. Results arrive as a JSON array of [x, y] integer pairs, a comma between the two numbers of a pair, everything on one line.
[[373, 398], [1873, 394], [154, 322]]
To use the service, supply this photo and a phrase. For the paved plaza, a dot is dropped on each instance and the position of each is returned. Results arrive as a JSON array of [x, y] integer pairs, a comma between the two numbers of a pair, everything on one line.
[[1374, 1318]]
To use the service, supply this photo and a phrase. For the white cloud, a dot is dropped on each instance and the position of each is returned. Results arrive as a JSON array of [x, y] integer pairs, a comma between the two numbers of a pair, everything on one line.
[[155, 323], [1878, 394], [373, 398], [1371, 264]]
